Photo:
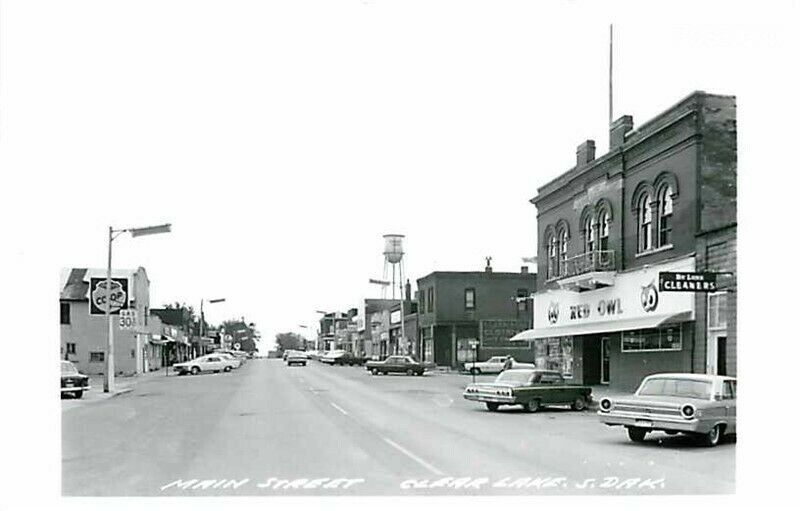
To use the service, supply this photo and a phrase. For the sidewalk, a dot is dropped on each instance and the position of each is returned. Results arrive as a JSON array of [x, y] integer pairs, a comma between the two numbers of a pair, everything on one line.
[[122, 385]]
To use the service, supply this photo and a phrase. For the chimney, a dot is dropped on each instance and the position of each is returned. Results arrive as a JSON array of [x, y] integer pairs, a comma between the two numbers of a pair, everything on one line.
[[488, 268], [524, 270], [617, 131], [585, 153]]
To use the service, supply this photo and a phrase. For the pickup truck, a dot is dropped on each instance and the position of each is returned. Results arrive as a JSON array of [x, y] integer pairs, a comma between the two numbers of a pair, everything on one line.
[[496, 365]]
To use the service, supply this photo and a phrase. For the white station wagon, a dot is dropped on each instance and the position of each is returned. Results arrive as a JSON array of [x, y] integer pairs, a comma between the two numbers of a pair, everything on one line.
[[496, 365], [206, 363]]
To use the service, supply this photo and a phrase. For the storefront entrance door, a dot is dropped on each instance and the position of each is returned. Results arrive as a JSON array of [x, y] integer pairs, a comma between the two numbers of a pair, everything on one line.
[[605, 364]]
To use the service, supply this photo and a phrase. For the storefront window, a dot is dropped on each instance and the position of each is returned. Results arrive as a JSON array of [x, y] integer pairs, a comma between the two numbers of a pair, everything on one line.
[[654, 339], [556, 354]]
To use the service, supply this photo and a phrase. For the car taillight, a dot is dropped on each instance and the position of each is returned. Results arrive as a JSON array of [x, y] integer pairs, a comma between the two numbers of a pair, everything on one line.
[[605, 404], [687, 411]]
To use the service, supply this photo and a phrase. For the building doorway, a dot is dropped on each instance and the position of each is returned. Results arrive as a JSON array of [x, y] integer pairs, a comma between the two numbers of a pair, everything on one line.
[[605, 360], [722, 355]]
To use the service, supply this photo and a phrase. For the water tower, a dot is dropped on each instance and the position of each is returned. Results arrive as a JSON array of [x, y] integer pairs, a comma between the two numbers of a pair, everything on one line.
[[393, 256]]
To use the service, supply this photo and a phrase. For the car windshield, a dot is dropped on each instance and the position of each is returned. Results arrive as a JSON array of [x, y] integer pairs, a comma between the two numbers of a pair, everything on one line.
[[678, 387], [68, 368], [514, 377]]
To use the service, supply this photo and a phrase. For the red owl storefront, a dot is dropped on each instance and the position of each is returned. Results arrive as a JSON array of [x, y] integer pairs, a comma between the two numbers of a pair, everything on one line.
[[615, 328]]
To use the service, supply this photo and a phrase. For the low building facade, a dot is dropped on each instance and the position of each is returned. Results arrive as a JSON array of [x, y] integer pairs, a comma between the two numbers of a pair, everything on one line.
[[84, 327], [455, 308]]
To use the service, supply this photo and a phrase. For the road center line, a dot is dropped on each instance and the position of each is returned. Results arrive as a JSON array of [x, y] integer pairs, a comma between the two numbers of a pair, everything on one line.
[[414, 457], [339, 408]]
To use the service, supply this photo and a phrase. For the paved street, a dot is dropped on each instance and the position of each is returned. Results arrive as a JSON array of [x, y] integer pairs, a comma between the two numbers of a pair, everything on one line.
[[267, 429]]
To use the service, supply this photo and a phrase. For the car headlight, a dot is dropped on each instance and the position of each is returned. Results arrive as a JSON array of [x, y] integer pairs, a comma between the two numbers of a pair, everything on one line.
[[605, 404], [687, 411]]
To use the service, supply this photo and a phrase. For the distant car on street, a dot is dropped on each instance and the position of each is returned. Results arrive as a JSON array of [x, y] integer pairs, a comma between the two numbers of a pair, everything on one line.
[[207, 363], [397, 364], [531, 388], [701, 405], [241, 356], [296, 358], [347, 359], [237, 362], [73, 382], [496, 365]]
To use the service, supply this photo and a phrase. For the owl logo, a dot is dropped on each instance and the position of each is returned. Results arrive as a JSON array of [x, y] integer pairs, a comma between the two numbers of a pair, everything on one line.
[[649, 297], [552, 313]]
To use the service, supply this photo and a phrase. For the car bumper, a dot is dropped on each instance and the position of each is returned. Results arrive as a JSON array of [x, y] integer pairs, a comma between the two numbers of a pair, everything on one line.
[[490, 398], [657, 423], [76, 388]]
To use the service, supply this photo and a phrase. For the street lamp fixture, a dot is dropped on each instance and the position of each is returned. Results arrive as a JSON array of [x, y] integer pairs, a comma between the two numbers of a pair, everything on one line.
[[108, 377], [203, 319]]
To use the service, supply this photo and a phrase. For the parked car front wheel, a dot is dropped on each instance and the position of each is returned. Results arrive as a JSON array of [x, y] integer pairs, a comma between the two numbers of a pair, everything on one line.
[[410, 372], [492, 406], [475, 370], [712, 438], [228, 369], [195, 370], [579, 404], [636, 434], [78, 394], [374, 371]]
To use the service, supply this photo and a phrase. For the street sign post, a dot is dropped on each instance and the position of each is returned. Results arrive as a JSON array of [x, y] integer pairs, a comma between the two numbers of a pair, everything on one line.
[[474, 343]]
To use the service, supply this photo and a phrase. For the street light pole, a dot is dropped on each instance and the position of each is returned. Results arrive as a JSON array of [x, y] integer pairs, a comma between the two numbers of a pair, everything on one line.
[[108, 377]]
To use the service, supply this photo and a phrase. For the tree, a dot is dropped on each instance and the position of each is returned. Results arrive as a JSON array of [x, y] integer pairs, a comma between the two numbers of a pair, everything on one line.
[[289, 341]]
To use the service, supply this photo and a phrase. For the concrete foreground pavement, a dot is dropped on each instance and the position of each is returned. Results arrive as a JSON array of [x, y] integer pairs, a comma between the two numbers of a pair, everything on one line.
[[268, 429]]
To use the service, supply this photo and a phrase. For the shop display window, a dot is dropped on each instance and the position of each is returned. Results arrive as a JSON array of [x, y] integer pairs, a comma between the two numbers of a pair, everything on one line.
[[653, 339]]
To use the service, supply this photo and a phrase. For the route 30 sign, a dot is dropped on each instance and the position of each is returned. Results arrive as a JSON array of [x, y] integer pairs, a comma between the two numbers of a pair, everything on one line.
[[97, 295]]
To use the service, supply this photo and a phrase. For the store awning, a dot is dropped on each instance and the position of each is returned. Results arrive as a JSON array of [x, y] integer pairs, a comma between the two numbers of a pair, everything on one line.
[[160, 340], [601, 327]]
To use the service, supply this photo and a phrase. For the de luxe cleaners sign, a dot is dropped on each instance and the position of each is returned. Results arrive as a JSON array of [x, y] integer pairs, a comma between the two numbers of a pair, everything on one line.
[[687, 281], [98, 296]]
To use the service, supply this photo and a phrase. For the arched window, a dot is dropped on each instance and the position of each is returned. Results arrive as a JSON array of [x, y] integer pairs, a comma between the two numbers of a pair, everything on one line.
[[562, 249], [645, 222], [552, 257], [588, 236], [665, 216], [602, 229]]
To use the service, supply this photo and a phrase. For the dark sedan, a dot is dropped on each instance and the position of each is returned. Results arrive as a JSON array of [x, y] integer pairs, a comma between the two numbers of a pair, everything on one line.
[[73, 382], [397, 364]]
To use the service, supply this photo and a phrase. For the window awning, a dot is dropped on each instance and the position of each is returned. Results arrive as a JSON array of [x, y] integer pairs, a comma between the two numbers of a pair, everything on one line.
[[603, 326]]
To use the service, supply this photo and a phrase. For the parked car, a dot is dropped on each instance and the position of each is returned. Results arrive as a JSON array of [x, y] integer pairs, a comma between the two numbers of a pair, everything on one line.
[[496, 365], [241, 356], [296, 357], [347, 359], [329, 356], [237, 362], [213, 362], [397, 364], [531, 388], [73, 382], [702, 405]]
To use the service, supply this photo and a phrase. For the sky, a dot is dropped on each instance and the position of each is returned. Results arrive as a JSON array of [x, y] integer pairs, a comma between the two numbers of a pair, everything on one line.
[[283, 139]]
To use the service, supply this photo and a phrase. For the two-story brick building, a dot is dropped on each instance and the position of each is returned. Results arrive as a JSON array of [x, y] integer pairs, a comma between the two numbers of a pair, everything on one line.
[[456, 307], [662, 199]]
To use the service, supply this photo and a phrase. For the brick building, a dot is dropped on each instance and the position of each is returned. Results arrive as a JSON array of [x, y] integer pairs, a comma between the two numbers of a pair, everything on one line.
[[662, 199], [455, 307]]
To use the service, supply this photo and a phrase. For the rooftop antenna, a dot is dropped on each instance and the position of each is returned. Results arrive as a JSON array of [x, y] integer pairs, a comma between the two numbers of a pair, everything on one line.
[[610, 75]]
